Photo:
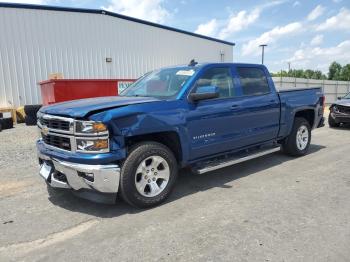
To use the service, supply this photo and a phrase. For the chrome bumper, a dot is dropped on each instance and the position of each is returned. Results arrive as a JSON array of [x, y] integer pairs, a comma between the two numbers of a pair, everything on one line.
[[100, 178]]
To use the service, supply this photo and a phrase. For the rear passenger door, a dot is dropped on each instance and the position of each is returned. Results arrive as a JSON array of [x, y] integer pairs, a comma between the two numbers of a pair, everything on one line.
[[258, 107]]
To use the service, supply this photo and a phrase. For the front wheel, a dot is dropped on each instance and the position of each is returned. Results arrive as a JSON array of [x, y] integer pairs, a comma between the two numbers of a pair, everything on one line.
[[298, 142], [148, 174]]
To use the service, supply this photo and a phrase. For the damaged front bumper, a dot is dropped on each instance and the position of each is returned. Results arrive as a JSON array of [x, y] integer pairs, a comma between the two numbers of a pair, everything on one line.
[[340, 117], [81, 178]]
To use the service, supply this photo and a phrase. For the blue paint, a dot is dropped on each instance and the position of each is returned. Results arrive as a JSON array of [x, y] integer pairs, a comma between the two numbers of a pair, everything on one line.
[[204, 128]]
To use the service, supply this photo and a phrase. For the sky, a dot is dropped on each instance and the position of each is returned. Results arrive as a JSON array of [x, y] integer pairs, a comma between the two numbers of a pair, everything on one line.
[[307, 34]]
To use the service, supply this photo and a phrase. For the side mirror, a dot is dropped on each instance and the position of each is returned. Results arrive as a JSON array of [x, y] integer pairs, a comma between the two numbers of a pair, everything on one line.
[[339, 97], [204, 93]]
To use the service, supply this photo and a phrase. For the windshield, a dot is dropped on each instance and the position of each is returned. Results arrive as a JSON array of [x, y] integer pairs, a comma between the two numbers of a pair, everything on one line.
[[163, 83], [347, 96]]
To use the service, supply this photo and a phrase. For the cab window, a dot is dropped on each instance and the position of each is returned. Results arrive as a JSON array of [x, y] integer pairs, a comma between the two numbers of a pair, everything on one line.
[[220, 77], [253, 81]]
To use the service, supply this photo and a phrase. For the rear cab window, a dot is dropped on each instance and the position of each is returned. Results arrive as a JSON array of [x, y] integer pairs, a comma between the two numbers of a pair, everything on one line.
[[253, 81]]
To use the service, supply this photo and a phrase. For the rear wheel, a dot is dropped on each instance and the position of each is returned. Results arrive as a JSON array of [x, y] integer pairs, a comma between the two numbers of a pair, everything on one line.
[[298, 142], [148, 174], [331, 122]]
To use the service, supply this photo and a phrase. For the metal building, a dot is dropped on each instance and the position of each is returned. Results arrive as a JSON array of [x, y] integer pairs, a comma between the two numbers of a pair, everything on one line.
[[36, 41]]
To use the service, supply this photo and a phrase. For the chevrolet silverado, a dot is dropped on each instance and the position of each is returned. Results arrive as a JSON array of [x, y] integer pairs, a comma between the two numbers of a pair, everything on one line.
[[202, 116]]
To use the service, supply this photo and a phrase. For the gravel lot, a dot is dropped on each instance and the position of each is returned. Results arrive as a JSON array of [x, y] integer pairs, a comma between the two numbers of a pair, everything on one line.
[[275, 208]]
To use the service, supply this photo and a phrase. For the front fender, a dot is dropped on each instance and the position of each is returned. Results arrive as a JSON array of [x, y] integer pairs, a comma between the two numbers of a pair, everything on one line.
[[146, 119]]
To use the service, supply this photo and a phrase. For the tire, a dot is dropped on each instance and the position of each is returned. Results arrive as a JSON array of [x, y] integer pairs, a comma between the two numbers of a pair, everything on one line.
[[30, 121], [291, 146], [7, 123], [31, 110], [0, 125], [331, 122], [148, 182]]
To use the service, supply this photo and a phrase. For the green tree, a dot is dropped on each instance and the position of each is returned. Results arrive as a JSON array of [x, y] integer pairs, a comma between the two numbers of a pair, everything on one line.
[[310, 74], [334, 72], [318, 75], [345, 73]]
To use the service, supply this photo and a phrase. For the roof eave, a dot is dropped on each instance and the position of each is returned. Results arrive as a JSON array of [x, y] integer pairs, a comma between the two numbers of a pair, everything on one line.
[[105, 12]]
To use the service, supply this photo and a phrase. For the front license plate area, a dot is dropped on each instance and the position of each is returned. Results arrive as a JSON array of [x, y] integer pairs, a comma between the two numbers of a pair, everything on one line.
[[45, 170]]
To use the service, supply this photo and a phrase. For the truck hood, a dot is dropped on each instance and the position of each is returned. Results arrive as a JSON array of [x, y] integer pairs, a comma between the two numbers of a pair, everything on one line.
[[83, 107], [342, 102]]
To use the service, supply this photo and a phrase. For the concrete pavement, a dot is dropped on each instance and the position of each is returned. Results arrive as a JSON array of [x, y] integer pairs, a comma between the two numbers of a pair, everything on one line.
[[275, 208]]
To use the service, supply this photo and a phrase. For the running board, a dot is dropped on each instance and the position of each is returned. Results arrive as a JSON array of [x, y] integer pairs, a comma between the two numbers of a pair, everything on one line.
[[237, 160]]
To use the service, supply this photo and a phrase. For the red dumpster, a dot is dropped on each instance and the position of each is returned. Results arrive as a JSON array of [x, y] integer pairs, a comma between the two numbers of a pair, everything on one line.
[[60, 90]]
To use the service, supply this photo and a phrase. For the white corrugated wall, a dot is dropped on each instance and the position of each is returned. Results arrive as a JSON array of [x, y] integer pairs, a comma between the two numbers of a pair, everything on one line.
[[35, 43], [331, 88]]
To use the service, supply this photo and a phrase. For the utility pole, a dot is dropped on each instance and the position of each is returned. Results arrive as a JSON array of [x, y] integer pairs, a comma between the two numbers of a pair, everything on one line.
[[262, 52], [288, 66]]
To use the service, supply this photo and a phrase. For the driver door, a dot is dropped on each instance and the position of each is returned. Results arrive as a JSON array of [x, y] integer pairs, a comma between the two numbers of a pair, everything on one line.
[[211, 123]]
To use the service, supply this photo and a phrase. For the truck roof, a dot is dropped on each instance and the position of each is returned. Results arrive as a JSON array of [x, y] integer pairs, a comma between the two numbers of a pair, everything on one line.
[[200, 65], [236, 64]]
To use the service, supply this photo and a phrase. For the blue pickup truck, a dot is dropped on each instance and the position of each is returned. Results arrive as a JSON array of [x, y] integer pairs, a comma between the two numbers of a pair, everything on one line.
[[202, 116]]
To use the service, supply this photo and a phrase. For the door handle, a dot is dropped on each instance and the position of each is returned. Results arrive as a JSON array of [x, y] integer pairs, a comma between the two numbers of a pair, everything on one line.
[[234, 106]]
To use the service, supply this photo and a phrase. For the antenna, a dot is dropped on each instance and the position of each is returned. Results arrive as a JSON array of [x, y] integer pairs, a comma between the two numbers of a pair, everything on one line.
[[193, 63]]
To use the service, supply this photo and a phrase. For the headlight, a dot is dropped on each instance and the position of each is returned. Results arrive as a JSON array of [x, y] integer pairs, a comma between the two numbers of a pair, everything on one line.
[[90, 127], [92, 145], [335, 109], [90, 140]]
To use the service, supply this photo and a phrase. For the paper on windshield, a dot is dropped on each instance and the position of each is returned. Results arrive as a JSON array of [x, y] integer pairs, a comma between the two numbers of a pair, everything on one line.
[[185, 72]]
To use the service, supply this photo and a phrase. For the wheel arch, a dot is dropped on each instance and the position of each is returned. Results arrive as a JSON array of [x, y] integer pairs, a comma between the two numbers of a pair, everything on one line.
[[308, 114], [170, 139]]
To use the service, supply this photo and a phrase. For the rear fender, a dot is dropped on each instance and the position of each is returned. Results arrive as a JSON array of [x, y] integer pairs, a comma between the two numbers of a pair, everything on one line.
[[299, 112]]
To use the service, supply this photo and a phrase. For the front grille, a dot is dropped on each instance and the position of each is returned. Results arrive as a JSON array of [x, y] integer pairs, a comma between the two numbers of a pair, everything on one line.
[[55, 124], [344, 109], [57, 141]]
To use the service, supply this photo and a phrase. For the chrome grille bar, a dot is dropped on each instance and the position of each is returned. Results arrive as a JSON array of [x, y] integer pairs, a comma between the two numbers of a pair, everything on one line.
[[48, 129], [47, 120]]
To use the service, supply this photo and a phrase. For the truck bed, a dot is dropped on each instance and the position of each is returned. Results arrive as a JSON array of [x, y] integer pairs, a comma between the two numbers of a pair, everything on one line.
[[296, 99], [299, 89]]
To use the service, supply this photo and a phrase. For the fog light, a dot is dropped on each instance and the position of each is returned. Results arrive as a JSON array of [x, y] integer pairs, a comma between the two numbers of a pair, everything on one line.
[[89, 177]]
